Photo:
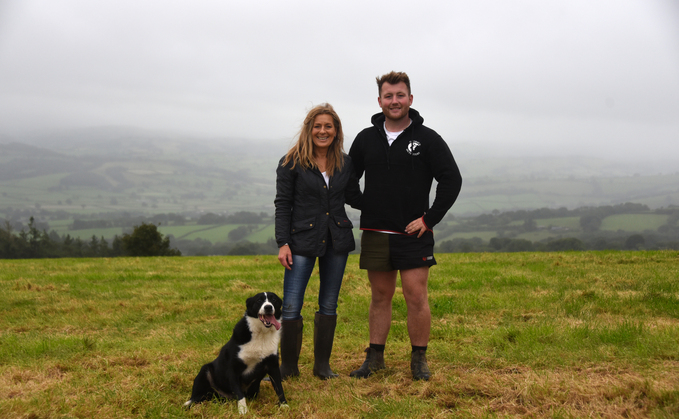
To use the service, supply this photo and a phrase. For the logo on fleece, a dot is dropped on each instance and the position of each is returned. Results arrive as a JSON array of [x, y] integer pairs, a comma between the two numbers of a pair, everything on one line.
[[411, 148]]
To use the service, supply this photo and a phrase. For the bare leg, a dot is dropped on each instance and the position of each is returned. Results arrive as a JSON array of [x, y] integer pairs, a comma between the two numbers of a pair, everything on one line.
[[414, 282], [383, 286]]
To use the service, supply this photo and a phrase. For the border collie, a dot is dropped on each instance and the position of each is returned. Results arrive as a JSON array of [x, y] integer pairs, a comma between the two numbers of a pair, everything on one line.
[[250, 355]]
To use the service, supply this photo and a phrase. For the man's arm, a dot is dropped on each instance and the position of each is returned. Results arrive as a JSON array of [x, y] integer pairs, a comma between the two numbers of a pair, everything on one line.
[[356, 154], [449, 182]]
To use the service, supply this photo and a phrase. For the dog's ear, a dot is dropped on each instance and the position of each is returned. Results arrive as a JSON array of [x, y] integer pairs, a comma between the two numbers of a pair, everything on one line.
[[277, 303], [250, 302]]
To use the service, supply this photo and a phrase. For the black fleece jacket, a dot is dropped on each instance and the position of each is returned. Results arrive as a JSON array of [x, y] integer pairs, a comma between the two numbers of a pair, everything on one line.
[[398, 178], [308, 212]]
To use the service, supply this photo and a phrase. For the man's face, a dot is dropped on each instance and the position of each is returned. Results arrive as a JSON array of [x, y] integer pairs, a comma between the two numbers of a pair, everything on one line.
[[395, 101]]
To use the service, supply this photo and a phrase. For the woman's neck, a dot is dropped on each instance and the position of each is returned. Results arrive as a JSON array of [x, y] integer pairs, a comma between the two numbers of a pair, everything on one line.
[[321, 160]]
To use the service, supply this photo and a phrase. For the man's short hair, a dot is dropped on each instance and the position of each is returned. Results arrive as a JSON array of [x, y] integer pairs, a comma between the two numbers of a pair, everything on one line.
[[394, 77]]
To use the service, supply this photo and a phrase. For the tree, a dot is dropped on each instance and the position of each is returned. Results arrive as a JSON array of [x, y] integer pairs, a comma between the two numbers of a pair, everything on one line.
[[499, 243], [146, 240], [238, 233], [530, 225], [634, 242], [520, 245], [566, 244], [211, 218], [245, 248], [590, 223]]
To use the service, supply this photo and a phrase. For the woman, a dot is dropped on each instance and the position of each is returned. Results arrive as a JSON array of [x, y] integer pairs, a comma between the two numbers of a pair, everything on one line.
[[313, 182]]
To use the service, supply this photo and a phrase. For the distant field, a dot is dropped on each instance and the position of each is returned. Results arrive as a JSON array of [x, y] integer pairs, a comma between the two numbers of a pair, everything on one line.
[[485, 235], [549, 227], [161, 176], [572, 223], [488, 203], [536, 236], [263, 234], [86, 234], [633, 222], [213, 233]]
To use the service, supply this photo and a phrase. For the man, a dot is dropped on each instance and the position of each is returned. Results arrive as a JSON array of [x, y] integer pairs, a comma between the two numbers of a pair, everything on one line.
[[400, 157]]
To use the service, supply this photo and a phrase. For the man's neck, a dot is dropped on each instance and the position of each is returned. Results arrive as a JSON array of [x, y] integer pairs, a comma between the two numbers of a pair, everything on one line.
[[397, 125]]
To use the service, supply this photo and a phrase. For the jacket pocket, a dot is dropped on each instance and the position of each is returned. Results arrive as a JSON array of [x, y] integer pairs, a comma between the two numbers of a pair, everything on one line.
[[343, 222], [303, 225], [303, 236], [342, 234]]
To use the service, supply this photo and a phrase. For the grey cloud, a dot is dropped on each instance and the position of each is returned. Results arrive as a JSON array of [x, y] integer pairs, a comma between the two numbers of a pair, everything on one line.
[[563, 75]]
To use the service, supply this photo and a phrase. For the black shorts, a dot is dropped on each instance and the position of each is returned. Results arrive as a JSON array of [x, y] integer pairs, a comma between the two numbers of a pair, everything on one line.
[[388, 252]]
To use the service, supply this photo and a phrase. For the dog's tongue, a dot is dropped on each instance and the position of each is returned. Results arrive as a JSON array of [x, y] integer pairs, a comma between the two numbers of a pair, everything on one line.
[[271, 319]]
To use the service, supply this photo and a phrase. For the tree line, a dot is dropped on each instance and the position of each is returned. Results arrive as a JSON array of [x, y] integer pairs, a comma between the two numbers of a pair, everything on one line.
[[615, 241], [508, 225], [126, 220], [32, 243]]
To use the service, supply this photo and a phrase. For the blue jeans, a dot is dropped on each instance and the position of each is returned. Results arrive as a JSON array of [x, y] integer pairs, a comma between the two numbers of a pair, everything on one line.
[[331, 271]]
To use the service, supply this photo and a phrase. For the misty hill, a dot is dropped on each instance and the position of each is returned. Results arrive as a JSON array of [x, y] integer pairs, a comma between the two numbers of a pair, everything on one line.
[[113, 170]]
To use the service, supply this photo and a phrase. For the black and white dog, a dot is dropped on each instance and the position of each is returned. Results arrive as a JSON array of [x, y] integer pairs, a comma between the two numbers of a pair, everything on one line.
[[250, 355]]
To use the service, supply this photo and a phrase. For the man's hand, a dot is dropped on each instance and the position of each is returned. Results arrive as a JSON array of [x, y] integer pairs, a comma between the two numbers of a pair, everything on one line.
[[285, 257], [415, 227]]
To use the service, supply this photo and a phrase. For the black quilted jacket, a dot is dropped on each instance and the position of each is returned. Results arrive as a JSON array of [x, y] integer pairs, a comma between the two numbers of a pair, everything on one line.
[[308, 212]]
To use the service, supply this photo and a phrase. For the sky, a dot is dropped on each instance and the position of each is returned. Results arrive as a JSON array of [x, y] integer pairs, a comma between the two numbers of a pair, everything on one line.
[[575, 77]]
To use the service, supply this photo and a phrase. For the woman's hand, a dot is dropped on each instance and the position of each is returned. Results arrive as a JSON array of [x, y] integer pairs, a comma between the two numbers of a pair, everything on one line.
[[285, 257]]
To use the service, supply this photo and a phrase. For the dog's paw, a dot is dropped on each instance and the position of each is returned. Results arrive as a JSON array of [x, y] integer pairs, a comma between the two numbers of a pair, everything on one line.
[[242, 406], [188, 404], [284, 406]]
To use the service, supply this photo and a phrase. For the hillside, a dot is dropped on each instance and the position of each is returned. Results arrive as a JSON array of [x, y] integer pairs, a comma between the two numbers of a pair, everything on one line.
[[108, 174]]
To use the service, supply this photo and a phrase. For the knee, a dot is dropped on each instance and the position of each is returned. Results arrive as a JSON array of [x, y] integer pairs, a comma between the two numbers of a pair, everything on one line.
[[291, 312], [327, 308], [382, 298], [417, 301]]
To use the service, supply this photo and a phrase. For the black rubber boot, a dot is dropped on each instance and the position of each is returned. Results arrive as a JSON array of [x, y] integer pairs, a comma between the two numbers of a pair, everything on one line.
[[418, 366], [324, 334], [374, 361], [291, 346]]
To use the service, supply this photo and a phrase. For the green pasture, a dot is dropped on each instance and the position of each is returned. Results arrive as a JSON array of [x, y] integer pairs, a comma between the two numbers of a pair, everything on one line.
[[86, 234], [488, 203], [263, 233], [485, 235], [633, 222], [571, 223], [214, 233], [540, 335], [36, 183], [540, 235]]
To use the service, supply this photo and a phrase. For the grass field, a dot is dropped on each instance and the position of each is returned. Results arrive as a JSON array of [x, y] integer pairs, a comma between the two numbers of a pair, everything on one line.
[[633, 222], [558, 335]]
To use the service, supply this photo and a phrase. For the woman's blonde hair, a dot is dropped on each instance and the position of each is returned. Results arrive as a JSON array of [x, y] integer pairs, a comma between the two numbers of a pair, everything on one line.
[[302, 152]]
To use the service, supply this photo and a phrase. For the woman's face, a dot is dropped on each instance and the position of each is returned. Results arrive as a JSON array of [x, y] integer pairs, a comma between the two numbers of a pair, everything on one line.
[[323, 132]]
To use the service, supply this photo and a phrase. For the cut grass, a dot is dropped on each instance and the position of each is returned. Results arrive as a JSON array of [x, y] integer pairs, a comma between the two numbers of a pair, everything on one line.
[[524, 334]]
